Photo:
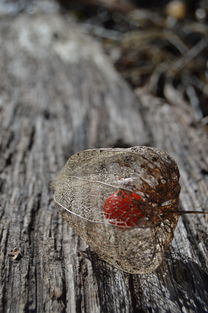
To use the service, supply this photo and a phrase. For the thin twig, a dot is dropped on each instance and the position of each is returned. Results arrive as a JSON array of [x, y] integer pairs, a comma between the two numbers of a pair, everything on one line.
[[189, 56]]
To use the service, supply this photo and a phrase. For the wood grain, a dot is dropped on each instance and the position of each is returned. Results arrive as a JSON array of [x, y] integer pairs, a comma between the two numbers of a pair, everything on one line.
[[58, 95]]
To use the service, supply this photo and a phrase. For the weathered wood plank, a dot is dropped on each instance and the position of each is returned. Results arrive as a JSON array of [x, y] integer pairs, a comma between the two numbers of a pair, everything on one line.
[[172, 128], [59, 95]]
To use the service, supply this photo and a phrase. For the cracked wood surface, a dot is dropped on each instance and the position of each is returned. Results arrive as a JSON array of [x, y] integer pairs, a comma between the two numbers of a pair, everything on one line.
[[59, 95]]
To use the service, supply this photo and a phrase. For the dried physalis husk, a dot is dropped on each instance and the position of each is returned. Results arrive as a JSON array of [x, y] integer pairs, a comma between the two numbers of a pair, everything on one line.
[[122, 202]]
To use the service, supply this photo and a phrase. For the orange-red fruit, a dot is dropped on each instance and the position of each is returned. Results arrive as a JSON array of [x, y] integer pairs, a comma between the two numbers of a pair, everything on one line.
[[123, 208]]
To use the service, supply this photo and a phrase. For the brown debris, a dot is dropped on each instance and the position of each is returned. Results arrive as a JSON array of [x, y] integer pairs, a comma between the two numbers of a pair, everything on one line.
[[15, 254]]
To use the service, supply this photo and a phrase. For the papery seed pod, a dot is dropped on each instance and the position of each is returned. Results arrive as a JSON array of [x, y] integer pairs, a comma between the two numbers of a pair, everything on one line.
[[123, 202]]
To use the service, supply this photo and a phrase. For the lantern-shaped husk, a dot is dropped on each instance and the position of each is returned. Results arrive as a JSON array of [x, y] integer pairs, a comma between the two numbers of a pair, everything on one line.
[[92, 176]]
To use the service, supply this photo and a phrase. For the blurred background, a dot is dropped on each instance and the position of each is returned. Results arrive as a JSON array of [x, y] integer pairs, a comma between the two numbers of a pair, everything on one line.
[[160, 45]]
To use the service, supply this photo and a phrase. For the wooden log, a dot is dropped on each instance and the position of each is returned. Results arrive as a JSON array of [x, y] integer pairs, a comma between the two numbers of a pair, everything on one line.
[[59, 95]]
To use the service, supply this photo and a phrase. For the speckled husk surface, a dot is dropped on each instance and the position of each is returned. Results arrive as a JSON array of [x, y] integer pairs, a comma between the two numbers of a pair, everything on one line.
[[90, 176]]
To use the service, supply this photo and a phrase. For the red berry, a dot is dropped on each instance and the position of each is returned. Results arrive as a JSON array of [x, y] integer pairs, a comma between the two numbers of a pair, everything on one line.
[[123, 208]]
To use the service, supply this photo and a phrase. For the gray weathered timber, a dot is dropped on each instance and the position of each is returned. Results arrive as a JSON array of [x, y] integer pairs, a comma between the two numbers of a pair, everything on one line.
[[59, 95]]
